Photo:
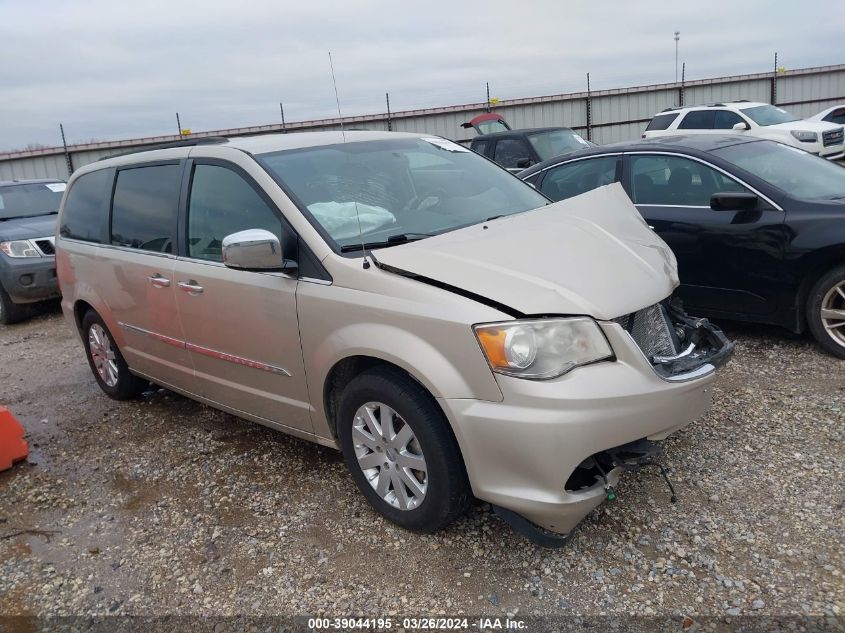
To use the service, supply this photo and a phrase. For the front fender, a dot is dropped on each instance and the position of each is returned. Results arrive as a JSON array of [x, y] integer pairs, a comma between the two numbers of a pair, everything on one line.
[[434, 344]]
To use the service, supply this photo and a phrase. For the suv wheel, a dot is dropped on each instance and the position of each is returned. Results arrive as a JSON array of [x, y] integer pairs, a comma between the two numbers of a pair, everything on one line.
[[826, 311], [10, 312], [400, 451], [106, 362]]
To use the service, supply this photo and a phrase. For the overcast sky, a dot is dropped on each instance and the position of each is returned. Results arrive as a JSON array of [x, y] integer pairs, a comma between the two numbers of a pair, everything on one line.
[[113, 69]]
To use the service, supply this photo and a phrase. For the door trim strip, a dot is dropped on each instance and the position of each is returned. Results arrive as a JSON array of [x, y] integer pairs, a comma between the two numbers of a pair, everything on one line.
[[237, 360], [207, 351]]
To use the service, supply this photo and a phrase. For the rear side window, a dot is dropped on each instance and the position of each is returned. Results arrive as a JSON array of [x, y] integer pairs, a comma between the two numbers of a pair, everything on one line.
[[698, 120], [579, 177], [84, 214], [662, 121], [144, 208], [223, 203]]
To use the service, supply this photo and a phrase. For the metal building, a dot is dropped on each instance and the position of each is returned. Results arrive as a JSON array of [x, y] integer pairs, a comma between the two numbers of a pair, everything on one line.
[[603, 116]]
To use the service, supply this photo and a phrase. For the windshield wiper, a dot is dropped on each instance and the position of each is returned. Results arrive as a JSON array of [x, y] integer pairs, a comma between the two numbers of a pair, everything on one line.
[[392, 240]]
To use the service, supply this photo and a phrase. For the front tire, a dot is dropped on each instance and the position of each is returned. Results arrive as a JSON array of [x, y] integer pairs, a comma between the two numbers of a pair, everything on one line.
[[826, 311], [10, 312], [107, 364], [400, 451]]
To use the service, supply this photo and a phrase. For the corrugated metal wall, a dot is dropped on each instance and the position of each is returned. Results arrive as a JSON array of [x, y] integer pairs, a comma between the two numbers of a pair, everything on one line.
[[616, 115]]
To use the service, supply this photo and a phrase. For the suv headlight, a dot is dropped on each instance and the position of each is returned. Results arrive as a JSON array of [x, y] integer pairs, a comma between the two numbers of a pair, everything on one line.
[[804, 136], [19, 248], [542, 348]]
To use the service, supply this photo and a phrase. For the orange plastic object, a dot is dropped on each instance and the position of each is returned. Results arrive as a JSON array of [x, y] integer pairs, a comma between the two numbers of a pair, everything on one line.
[[13, 448]]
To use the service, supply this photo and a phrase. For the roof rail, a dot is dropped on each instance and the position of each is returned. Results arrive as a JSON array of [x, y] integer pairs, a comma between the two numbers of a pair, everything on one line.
[[203, 140], [670, 109]]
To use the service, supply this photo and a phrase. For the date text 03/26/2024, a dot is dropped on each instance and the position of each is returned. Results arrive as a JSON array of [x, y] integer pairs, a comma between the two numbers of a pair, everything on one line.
[[424, 623]]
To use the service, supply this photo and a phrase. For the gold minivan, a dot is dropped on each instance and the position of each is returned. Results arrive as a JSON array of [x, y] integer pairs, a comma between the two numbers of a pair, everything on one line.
[[400, 298]]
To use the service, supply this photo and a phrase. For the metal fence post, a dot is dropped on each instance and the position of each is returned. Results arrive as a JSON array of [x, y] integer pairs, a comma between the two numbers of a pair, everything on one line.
[[589, 104], [488, 96], [68, 160], [681, 89], [775, 82], [389, 122]]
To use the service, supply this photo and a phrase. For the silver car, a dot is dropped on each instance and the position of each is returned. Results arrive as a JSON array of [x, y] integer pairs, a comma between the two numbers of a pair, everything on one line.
[[398, 297]]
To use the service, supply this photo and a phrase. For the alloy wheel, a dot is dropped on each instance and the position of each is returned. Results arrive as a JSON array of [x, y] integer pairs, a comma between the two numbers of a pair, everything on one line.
[[102, 353], [833, 313], [390, 455]]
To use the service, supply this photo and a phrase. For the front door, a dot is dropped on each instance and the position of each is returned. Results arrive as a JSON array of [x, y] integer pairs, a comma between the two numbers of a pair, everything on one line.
[[727, 260], [240, 327]]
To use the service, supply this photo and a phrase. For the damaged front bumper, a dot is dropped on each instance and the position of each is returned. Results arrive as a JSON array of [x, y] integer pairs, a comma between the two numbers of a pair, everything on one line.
[[530, 455]]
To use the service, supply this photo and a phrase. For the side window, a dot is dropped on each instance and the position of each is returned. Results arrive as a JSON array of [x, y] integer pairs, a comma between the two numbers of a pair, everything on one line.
[[144, 207], [84, 215], [579, 177], [697, 120], [222, 203], [480, 147], [837, 116], [725, 120], [661, 122], [509, 151], [676, 181]]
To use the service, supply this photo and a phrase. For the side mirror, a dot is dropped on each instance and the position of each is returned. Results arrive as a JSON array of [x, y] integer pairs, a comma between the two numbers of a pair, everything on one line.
[[733, 201], [522, 163], [255, 249], [741, 126]]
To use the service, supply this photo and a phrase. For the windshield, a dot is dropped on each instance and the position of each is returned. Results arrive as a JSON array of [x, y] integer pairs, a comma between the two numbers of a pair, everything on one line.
[[27, 200], [768, 115], [556, 142], [790, 169], [387, 191]]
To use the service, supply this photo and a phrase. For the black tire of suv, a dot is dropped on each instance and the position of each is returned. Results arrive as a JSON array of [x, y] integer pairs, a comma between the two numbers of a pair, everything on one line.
[[128, 385], [814, 309], [448, 492], [10, 312]]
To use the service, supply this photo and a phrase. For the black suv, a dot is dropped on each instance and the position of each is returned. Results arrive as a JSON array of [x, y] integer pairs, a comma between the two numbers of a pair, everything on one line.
[[517, 149], [28, 211]]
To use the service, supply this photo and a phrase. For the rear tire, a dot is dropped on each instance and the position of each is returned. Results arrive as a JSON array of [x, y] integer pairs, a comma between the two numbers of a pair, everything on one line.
[[107, 364], [10, 312], [425, 485], [826, 311]]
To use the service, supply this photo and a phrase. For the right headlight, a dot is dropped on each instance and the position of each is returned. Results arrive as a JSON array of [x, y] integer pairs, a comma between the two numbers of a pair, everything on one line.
[[542, 348], [805, 136]]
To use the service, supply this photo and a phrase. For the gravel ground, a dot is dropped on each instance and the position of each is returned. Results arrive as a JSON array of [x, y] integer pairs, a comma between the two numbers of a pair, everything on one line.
[[165, 506]]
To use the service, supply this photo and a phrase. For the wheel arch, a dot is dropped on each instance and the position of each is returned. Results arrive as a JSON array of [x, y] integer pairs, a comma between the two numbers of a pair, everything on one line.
[[342, 373], [822, 262]]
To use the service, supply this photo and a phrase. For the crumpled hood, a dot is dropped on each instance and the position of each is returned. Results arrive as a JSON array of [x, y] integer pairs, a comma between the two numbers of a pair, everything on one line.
[[27, 228], [589, 255]]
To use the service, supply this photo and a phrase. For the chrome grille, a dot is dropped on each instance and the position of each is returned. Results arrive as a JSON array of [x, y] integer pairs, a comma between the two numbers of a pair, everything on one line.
[[833, 137], [651, 330]]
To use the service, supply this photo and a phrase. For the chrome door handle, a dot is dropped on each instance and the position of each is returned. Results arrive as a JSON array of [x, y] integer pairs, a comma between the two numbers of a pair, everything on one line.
[[159, 282], [190, 287]]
